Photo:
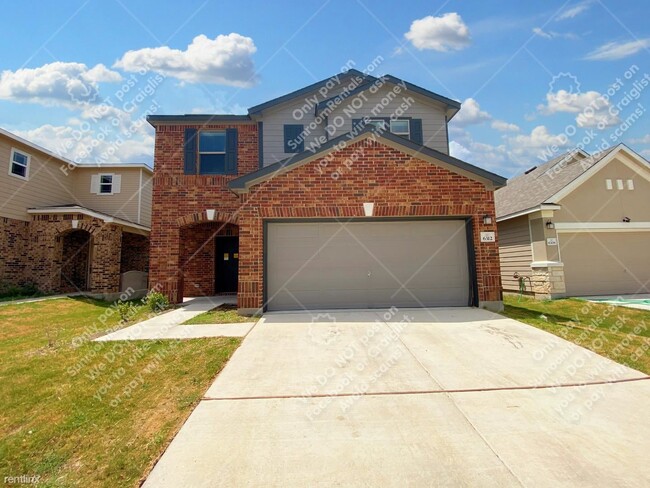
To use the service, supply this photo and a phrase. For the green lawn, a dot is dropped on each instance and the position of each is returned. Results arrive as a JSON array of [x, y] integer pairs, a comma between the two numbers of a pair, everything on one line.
[[223, 314], [619, 333], [80, 413]]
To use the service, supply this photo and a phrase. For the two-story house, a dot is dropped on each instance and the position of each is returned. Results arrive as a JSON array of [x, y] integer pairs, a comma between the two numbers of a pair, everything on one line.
[[69, 227], [341, 194]]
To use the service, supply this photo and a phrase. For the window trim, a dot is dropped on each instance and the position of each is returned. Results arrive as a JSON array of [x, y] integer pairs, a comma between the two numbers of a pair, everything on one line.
[[371, 120], [199, 152], [12, 162], [99, 184]]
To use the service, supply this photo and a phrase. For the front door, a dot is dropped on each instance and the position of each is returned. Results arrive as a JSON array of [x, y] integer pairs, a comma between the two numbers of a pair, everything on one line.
[[226, 264]]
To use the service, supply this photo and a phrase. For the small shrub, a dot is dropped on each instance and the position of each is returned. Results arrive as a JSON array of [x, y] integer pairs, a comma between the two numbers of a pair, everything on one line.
[[156, 301], [126, 310], [24, 290]]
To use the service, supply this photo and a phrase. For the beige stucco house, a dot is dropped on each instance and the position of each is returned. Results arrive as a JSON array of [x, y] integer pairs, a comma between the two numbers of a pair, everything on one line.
[[69, 227], [578, 225]]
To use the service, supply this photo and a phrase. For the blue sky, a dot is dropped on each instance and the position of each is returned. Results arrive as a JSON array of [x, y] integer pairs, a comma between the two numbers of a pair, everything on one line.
[[531, 75]]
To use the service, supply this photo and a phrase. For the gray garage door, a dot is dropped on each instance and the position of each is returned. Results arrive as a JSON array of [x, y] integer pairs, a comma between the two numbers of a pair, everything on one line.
[[320, 265], [605, 263]]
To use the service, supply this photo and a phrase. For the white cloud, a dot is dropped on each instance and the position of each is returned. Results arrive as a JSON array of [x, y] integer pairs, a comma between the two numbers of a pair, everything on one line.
[[226, 60], [80, 143], [574, 11], [444, 33], [618, 50], [538, 31], [470, 114], [528, 146], [641, 140], [503, 126], [593, 109], [56, 83], [485, 155]]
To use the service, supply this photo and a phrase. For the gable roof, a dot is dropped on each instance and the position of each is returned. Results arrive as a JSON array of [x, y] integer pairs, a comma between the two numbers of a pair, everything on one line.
[[453, 106], [304, 91], [545, 184], [243, 183]]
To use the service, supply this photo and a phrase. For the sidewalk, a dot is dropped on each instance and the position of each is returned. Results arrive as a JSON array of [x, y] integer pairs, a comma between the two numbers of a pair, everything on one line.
[[168, 325]]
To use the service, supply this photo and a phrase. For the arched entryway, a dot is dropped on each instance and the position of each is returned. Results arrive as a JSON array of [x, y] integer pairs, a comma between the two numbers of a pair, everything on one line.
[[76, 249], [209, 258]]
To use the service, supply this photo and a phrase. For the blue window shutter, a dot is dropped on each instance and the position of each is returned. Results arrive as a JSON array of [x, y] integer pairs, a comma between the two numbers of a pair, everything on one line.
[[416, 131], [189, 165], [293, 132], [357, 124], [231, 151]]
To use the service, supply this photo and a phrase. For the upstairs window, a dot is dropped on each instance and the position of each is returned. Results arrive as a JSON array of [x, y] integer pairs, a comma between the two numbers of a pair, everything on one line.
[[212, 152], [294, 139], [400, 127], [106, 184], [378, 123], [19, 164]]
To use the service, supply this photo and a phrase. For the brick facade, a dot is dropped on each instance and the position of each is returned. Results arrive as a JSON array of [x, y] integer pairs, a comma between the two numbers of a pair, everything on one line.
[[398, 184], [180, 201], [63, 253], [135, 252], [47, 239], [14, 251]]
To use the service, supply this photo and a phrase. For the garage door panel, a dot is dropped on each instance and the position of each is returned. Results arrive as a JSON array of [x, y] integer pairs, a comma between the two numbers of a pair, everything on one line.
[[364, 264], [606, 263]]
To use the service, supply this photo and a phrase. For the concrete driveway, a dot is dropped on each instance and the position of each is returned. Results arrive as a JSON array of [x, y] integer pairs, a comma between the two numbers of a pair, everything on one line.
[[439, 397]]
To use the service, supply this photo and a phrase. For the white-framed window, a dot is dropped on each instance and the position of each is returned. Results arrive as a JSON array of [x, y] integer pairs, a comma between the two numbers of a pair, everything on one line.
[[106, 184], [630, 184], [400, 127], [609, 185], [19, 164], [212, 152], [619, 185]]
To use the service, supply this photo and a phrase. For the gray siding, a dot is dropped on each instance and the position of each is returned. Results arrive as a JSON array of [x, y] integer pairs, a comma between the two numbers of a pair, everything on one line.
[[338, 121], [434, 124], [515, 251]]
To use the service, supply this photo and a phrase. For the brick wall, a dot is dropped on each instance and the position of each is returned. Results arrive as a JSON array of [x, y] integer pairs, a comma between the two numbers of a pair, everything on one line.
[[75, 264], [47, 256], [14, 251], [180, 200], [366, 171], [135, 252]]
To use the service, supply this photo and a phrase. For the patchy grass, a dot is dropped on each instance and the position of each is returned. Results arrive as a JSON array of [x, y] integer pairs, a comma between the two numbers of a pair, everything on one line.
[[80, 413], [619, 333], [223, 314]]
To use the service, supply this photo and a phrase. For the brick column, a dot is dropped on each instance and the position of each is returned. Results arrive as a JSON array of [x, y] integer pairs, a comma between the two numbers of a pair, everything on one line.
[[165, 273], [105, 259]]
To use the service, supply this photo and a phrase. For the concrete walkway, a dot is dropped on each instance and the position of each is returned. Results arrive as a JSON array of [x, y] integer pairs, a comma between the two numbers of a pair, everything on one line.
[[439, 397], [168, 325]]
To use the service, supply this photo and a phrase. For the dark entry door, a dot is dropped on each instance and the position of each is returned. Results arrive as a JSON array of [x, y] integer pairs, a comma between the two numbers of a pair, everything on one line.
[[226, 264]]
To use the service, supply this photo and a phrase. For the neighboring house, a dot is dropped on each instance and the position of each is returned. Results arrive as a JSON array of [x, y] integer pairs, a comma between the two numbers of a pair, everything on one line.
[[338, 195], [578, 225], [68, 227]]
